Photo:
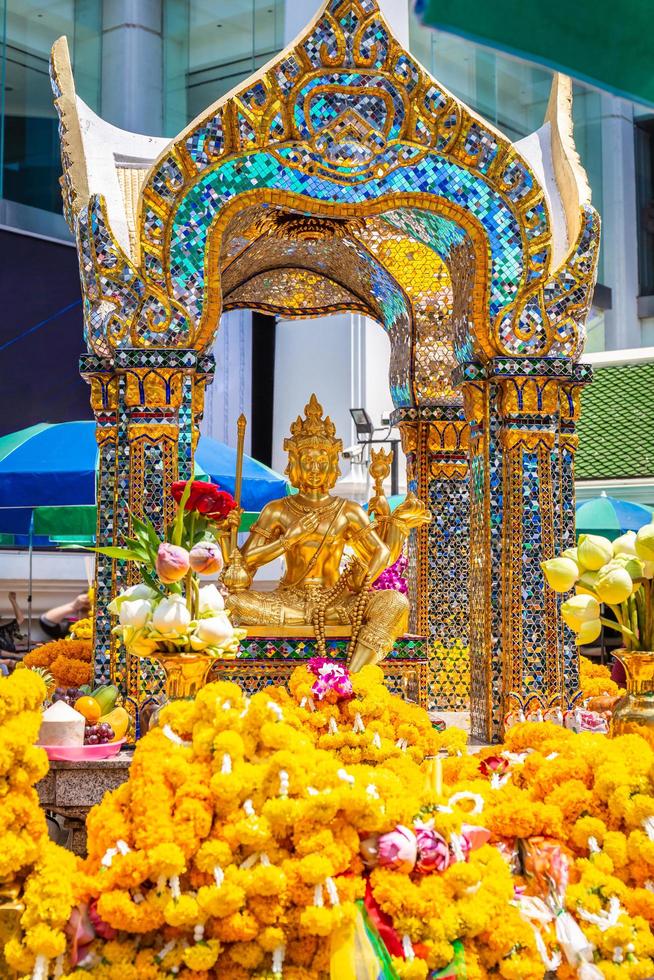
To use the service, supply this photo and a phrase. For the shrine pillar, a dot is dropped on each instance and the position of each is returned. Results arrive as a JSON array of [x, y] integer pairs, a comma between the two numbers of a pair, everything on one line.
[[521, 414], [435, 441], [147, 406]]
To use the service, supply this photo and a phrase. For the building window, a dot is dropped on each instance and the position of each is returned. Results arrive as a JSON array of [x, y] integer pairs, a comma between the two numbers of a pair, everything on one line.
[[211, 47], [644, 135], [29, 144]]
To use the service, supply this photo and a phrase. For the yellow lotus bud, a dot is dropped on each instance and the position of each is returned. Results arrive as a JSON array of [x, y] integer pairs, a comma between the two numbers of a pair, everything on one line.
[[614, 585], [594, 551], [570, 553], [586, 583], [625, 544], [580, 609], [645, 542], [648, 569], [561, 573], [589, 632]]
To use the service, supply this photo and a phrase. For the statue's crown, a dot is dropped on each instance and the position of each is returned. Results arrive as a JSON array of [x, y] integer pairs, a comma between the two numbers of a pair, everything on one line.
[[313, 429]]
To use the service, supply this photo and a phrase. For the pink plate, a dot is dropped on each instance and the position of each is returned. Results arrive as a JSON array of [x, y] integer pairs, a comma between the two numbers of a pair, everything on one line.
[[82, 753]]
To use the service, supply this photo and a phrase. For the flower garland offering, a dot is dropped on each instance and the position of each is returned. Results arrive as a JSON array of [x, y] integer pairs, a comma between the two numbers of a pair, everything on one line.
[[294, 836], [170, 612], [67, 661]]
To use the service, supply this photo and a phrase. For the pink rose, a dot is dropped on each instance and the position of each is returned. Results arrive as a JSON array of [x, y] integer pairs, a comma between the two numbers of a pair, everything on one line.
[[206, 558], [433, 851], [398, 849], [172, 563]]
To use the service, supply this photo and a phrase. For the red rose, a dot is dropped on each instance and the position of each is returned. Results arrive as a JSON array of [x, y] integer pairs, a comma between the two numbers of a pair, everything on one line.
[[205, 498]]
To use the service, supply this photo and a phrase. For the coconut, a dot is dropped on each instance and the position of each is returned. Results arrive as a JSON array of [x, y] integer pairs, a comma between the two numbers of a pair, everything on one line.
[[62, 725]]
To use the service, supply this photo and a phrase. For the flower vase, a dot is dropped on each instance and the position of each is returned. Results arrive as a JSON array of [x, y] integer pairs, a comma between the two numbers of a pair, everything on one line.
[[186, 672], [634, 713]]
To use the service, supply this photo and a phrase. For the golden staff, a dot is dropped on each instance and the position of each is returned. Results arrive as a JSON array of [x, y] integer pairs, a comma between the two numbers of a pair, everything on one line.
[[238, 483]]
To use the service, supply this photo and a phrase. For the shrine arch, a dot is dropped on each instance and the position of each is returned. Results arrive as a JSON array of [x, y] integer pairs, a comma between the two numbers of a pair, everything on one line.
[[349, 178]]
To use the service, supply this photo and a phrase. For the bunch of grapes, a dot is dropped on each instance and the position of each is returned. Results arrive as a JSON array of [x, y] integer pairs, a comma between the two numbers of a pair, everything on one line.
[[68, 694], [98, 734]]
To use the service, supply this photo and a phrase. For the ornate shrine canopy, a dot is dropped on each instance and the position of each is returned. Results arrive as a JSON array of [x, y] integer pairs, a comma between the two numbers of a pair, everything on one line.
[[341, 176]]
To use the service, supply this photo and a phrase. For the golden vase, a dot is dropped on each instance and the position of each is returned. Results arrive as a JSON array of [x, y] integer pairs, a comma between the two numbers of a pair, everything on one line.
[[634, 713], [186, 672]]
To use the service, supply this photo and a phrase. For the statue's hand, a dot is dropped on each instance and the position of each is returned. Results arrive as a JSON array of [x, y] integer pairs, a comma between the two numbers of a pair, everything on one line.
[[412, 512], [378, 506], [233, 520], [305, 526]]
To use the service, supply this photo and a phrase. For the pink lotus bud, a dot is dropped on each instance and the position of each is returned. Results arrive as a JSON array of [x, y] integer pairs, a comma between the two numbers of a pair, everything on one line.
[[398, 849], [172, 563], [433, 851], [206, 558]]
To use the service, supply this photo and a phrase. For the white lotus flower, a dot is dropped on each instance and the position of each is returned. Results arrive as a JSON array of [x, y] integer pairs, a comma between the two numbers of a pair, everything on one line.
[[135, 612], [210, 599], [140, 591], [171, 615], [214, 631]]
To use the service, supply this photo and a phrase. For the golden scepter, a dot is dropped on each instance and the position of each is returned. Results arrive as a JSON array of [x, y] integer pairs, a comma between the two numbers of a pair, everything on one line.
[[236, 576]]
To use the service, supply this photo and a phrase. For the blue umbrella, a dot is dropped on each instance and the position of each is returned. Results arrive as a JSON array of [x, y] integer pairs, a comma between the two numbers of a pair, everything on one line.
[[610, 516], [49, 465]]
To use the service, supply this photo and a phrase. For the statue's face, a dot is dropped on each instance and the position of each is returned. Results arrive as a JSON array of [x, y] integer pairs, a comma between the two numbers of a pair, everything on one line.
[[315, 470]]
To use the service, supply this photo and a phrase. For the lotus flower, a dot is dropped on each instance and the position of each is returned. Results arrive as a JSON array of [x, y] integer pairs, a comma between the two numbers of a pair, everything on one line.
[[625, 544], [561, 573], [580, 609], [614, 585], [594, 551], [135, 612], [206, 558], [398, 849], [211, 601], [171, 616], [172, 563], [588, 632], [140, 591], [645, 542], [214, 631], [433, 851]]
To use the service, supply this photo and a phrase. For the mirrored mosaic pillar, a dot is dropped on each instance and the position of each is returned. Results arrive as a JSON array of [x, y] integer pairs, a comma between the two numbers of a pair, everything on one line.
[[147, 405], [570, 407], [522, 510], [435, 441]]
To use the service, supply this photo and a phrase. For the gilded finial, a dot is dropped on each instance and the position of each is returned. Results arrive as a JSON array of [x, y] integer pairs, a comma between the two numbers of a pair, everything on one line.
[[314, 430]]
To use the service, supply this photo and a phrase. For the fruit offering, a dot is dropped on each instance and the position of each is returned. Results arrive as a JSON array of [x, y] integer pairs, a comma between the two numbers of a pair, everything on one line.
[[89, 707], [61, 725], [69, 695], [98, 734]]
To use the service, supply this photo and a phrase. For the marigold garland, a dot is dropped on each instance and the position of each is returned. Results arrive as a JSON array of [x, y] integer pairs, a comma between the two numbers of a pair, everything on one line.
[[69, 661], [236, 848]]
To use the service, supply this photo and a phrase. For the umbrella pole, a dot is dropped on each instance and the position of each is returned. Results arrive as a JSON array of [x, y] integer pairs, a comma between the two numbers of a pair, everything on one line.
[[29, 587]]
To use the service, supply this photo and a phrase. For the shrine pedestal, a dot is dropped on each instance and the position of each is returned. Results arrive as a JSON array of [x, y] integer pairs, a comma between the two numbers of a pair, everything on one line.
[[70, 789], [266, 659]]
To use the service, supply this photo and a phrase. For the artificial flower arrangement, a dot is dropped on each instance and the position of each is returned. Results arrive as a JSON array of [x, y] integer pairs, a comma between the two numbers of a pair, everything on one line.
[[170, 612], [299, 834], [618, 574]]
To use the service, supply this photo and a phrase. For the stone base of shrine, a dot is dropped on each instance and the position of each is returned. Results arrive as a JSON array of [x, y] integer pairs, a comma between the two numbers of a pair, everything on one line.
[[266, 659], [70, 789]]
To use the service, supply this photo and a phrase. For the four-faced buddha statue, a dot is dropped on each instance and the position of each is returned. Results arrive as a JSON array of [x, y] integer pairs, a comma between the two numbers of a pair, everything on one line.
[[333, 552]]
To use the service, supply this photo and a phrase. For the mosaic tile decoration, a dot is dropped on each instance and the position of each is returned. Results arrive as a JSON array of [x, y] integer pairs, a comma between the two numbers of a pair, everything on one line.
[[271, 660], [344, 177]]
